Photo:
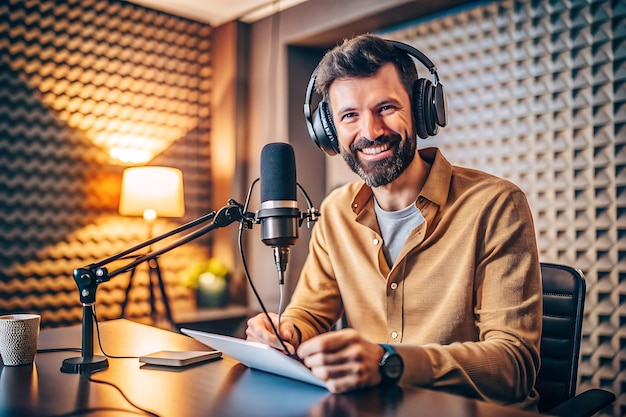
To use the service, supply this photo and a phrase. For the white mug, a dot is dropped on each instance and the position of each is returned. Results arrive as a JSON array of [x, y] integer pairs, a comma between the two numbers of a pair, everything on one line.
[[19, 334]]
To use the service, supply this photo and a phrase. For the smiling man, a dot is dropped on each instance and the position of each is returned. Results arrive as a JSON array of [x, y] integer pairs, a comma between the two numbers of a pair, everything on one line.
[[435, 266]]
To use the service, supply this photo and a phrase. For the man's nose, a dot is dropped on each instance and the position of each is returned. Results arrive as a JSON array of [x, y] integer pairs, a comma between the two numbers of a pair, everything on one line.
[[372, 126]]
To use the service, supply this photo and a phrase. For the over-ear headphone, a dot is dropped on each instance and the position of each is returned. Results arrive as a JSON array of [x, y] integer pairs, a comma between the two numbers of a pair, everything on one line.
[[429, 106]]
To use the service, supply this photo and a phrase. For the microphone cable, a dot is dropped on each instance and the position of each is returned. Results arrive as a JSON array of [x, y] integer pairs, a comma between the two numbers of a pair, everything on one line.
[[98, 381], [88, 377], [311, 217], [281, 279], [249, 278]]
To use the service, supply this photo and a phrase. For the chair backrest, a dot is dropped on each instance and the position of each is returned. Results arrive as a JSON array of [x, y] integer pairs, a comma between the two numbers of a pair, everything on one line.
[[563, 304]]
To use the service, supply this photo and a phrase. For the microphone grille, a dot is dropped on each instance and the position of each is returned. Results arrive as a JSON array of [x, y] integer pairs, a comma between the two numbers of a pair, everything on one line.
[[278, 172]]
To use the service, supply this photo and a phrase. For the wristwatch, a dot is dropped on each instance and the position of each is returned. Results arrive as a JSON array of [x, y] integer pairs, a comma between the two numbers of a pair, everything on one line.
[[391, 366]]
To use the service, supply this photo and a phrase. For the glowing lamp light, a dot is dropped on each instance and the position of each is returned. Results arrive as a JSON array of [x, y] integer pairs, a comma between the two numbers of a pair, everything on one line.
[[152, 192], [131, 156]]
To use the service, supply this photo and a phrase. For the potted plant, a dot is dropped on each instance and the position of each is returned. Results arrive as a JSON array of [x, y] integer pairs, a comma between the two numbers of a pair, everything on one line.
[[210, 281]]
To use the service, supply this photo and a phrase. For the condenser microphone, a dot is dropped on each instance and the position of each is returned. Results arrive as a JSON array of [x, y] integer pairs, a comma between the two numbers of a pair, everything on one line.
[[279, 214]]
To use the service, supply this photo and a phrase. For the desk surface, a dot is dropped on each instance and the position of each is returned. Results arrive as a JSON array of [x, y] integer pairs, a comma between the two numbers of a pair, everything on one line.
[[219, 388]]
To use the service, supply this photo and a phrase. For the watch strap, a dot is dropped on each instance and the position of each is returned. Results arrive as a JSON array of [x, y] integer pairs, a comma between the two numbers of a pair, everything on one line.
[[391, 366]]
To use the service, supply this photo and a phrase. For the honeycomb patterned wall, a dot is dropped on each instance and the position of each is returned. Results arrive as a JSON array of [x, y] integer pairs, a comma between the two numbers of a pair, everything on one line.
[[88, 87], [537, 94]]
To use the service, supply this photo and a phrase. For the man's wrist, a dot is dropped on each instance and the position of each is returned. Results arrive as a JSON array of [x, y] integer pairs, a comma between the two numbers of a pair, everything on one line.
[[391, 366]]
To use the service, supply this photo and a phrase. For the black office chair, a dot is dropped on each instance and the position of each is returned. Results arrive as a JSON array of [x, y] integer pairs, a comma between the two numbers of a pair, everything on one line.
[[563, 304]]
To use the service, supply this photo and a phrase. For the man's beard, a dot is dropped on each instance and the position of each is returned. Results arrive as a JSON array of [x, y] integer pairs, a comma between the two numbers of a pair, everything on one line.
[[378, 173]]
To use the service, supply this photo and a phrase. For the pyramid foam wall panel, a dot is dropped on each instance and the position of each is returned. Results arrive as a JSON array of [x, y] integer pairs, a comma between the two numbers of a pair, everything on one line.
[[537, 94]]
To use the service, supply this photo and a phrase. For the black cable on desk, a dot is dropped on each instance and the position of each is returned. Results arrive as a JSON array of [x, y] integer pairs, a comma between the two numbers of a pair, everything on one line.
[[138, 410], [84, 411], [95, 319], [143, 410]]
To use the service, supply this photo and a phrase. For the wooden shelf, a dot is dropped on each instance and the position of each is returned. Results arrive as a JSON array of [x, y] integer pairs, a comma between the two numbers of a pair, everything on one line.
[[229, 320], [213, 313]]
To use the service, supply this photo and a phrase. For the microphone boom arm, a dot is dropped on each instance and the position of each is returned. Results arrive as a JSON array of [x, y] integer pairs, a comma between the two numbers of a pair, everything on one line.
[[88, 278]]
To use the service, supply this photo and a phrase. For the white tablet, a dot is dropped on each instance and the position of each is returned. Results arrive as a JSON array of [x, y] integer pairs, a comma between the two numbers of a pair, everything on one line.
[[257, 356]]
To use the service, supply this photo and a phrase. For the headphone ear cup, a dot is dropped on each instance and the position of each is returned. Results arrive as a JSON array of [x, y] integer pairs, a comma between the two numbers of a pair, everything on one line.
[[419, 107], [441, 105], [324, 129], [430, 112], [426, 109]]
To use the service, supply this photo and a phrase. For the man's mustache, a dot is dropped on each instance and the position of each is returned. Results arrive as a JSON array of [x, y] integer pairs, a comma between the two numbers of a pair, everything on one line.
[[363, 143]]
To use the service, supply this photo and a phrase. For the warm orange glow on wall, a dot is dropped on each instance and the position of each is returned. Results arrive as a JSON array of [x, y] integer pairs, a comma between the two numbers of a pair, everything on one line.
[[133, 96], [91, 86]]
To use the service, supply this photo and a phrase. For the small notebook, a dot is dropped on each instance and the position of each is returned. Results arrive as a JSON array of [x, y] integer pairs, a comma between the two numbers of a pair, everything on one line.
[[257, 356], [175, 358]]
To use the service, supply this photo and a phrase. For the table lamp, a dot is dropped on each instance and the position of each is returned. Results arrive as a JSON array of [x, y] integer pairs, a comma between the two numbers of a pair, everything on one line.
[[151, 192]]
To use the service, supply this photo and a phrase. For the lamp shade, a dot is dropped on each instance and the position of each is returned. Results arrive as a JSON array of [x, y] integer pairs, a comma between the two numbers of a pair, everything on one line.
[[159, 189]]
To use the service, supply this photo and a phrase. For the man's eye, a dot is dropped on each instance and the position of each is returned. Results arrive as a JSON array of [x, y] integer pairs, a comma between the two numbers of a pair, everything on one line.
[[348, 116], [387, 108]]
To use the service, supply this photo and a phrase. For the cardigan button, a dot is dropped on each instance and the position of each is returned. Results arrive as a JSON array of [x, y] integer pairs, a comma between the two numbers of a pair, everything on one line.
[[375, 241], [394, 285], [394, 335]]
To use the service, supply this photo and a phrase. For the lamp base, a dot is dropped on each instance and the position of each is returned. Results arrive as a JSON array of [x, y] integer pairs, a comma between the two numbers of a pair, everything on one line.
[[82, 365]]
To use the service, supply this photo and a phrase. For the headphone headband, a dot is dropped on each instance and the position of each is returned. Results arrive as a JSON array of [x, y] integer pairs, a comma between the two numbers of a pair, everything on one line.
[[419, 55]]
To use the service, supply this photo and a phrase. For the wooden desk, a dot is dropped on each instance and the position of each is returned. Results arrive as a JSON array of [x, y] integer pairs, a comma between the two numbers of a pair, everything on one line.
[[220, 388]]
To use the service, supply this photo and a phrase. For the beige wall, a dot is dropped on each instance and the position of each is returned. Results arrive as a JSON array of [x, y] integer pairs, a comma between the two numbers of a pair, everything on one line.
[[229, 140]]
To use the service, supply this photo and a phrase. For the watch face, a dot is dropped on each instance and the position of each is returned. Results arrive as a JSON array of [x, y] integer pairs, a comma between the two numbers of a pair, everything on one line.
[[393, 366]]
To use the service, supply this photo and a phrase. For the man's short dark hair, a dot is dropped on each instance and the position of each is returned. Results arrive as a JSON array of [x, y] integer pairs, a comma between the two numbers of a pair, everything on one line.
[[363, 56]]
